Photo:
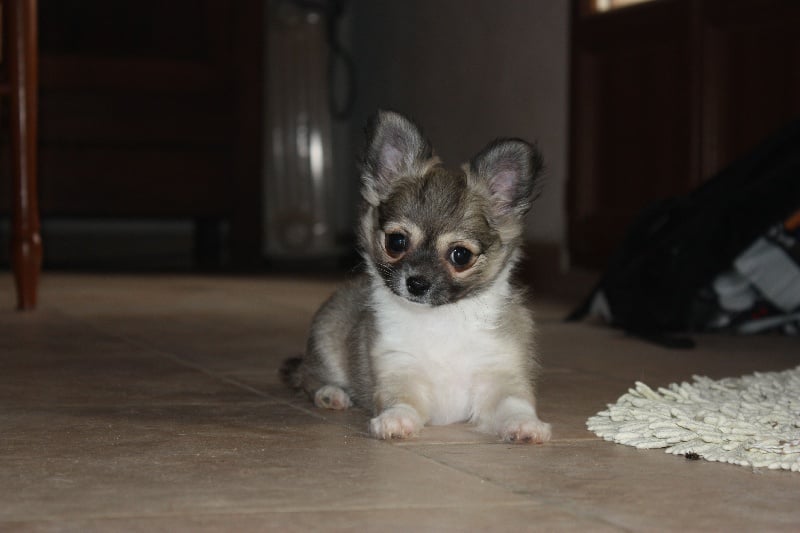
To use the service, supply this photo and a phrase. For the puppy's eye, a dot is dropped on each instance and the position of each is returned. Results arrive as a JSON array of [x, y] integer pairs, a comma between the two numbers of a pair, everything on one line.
[[461, 258], [396, 244]]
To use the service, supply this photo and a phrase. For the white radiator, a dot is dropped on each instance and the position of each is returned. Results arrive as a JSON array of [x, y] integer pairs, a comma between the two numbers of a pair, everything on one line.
[[303, 196]]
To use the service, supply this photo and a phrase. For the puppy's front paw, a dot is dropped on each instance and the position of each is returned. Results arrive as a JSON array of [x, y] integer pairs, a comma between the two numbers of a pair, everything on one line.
[[398, 422], [525, 429], [332, 397]]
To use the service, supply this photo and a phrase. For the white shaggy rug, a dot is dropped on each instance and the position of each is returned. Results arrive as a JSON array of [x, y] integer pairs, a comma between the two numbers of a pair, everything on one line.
[[750, 421]]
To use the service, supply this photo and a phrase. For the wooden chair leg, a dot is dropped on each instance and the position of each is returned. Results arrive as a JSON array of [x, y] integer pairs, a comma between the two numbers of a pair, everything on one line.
[[26, 244]]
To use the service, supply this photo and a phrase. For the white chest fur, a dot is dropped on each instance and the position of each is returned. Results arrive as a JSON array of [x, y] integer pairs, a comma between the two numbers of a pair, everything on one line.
[[441, 352]]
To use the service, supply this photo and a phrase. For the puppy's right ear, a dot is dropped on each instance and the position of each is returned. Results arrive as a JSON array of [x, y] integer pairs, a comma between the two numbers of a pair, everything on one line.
[[395, 148], [510, 168]]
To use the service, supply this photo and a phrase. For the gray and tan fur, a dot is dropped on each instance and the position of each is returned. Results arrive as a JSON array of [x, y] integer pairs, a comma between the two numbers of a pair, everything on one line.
[[434, 332]]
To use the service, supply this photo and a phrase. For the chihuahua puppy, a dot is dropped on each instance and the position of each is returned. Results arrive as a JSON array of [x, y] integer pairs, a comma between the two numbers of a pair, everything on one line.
[[434, 332]]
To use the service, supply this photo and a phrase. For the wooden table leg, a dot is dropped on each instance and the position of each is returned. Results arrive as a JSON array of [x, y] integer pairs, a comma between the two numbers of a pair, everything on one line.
[[26, 243]]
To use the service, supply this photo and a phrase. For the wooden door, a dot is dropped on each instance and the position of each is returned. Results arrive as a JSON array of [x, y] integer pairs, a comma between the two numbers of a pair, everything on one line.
[[153, 109], [664, 94]]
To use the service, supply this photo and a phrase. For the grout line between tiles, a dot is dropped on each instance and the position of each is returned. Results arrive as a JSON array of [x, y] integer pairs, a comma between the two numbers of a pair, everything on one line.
[[225, 379], [417, 444], [188, 364], [264, 395], [253, 390], [194, 366], [571, 507], [163, 353], [545, 501]]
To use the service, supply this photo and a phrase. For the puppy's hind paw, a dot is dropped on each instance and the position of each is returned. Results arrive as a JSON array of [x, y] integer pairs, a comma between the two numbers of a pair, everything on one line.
[[332, 397], [398, 422], [525, 430]]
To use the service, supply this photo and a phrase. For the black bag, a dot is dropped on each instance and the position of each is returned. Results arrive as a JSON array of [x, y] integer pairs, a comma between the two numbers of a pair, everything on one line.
[[679, 245]]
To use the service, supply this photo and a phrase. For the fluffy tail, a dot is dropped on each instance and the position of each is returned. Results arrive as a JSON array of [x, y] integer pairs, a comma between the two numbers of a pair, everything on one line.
[[291, 372]]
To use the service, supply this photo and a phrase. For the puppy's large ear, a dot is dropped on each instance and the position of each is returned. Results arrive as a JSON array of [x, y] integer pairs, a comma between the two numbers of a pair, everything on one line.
[[395, 148], [510, 169]]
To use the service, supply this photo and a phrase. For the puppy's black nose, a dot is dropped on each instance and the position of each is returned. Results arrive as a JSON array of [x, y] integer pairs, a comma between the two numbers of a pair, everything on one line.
[[417, 286]]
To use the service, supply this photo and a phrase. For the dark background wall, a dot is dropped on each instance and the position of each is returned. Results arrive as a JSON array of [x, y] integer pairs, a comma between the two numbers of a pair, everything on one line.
[[469, 71], [157, 134]]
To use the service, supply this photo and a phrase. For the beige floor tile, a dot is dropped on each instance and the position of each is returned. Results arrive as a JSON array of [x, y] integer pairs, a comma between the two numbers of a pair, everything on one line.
[[92, 294], [609, 352], [239, 327], [48, 359], [250, 349], [142, 461], [566, 399], [634, 489], [473, 517], [152, 403]]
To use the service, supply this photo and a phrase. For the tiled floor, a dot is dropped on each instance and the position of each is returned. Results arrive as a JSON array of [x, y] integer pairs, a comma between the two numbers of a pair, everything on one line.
[[151, 403]]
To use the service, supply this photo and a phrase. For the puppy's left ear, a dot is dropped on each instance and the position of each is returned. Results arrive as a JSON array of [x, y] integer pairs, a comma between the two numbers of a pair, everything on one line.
[[396, 148], [510, 168]]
